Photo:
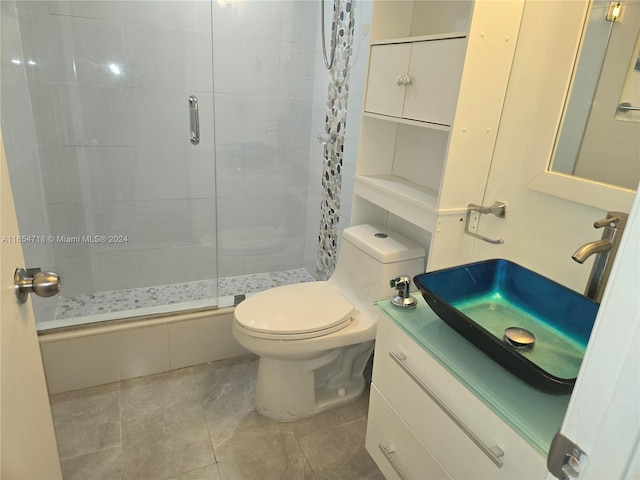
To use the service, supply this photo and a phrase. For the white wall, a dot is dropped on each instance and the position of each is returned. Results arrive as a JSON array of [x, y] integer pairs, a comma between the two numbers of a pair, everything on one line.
[[540, 231]]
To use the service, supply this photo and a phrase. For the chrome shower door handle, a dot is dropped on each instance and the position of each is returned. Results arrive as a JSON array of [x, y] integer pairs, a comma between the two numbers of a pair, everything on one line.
[[194, 118]]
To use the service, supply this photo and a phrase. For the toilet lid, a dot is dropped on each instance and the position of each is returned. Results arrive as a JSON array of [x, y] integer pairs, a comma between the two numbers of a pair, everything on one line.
[[301, 310]]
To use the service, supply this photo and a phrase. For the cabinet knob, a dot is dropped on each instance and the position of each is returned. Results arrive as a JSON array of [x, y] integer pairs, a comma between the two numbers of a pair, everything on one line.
[[400, 80]]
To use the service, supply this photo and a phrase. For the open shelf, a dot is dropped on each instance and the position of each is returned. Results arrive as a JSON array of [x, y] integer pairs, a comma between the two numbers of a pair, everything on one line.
[[421, 38], [408, 121], [410, 20], [415, 203]]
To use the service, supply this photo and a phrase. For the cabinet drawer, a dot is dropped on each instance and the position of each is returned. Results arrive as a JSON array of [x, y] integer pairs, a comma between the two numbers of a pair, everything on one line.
[[446, 439], [394, 448]]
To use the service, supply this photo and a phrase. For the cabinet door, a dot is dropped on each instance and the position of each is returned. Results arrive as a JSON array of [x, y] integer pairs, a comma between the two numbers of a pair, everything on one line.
[[393, 446], [386, 64], [433, 427], [435, 70]]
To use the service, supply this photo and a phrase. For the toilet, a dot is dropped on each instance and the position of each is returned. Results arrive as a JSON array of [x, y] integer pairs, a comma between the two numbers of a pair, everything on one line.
[[314, 339]]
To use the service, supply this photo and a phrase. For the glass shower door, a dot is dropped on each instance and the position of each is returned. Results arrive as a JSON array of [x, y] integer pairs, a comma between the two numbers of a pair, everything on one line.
[[265, 56], [97, 125]]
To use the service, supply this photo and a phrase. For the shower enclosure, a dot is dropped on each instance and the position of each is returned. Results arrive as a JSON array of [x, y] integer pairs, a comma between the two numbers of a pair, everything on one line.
[[114, 195]]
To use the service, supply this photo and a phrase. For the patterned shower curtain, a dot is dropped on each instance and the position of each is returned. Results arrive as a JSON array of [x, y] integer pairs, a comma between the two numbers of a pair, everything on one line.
[[335, 123]]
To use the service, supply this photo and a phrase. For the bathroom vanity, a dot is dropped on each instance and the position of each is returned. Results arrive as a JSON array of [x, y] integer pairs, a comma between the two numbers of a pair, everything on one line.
[[440, 408]]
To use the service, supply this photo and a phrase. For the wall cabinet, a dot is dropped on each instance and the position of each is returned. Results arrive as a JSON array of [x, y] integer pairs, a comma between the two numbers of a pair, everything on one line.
[[432, 109], [402, 76]]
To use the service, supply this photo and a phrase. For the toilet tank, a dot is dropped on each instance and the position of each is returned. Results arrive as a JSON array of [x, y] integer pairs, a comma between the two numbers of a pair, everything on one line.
[[370, 256]]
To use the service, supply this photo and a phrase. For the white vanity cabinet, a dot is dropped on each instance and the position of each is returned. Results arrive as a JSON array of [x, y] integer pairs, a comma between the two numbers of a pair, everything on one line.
[[439, 408], [438, 72], [393, 445], [402, 76]]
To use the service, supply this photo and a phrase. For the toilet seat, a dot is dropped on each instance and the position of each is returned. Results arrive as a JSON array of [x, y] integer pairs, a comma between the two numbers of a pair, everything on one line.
[[299, 311]]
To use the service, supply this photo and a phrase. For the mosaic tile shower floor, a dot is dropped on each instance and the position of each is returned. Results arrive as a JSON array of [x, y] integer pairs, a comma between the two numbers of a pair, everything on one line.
[[121, 300]]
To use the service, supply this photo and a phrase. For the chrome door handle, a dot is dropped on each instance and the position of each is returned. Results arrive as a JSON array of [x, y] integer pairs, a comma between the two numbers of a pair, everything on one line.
[[194, 117], [32, 280], [627, 107]]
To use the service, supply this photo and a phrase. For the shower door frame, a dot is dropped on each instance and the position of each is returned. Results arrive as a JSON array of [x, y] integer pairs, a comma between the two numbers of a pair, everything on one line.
[[78, 162]]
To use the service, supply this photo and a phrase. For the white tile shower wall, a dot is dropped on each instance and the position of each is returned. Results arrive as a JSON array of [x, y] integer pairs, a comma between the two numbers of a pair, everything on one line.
[[109, 83], [20, 146], [363, 11], [186, 15]]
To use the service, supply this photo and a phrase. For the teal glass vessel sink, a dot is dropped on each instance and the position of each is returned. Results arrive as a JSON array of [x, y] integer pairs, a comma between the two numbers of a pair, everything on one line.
[[532, 326]]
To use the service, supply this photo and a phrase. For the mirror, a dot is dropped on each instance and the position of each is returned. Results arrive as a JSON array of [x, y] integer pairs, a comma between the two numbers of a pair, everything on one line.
[[597, 140]]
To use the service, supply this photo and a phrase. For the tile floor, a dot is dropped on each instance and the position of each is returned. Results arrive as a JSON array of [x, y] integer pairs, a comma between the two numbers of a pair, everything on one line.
[[135, 298], [199, 423]]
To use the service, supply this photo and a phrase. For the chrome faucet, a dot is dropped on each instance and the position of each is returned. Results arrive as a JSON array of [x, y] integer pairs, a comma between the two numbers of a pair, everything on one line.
[[403, 298], [591, 248], [605, 250]]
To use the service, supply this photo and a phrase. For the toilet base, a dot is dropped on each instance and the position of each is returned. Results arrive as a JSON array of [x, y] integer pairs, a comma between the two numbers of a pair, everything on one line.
[[290, 390]]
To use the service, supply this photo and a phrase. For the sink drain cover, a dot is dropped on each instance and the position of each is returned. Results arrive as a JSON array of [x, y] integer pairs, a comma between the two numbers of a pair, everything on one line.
[[519, 338]]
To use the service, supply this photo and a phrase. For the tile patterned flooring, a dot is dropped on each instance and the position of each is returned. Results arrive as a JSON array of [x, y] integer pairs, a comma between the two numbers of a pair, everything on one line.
[[122, 300], [199, 423]]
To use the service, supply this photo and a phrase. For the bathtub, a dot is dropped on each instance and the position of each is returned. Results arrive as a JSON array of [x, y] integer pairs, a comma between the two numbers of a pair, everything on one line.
[[98, 353]]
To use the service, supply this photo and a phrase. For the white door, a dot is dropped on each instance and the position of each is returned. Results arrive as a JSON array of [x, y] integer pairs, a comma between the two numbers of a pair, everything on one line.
[[27, 441], [603, 417]]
